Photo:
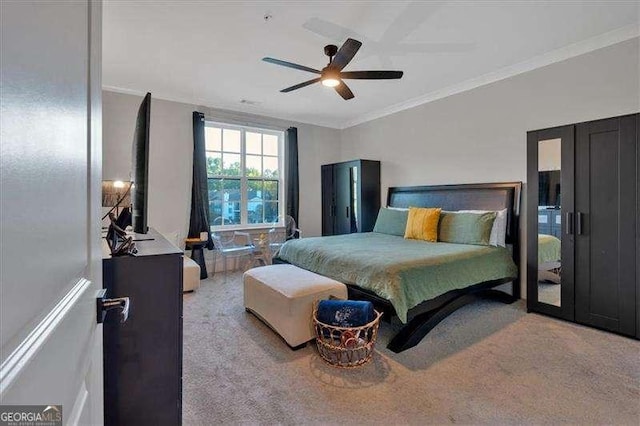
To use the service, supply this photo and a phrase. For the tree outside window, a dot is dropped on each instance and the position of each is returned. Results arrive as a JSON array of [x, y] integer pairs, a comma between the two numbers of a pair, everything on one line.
[[244, 178]]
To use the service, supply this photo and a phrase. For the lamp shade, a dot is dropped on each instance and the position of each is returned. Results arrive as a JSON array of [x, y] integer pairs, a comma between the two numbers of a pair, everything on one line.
[[114, 190]]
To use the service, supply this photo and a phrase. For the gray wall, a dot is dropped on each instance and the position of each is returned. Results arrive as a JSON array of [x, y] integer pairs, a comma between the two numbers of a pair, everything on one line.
[[171, 149], [480, 135]]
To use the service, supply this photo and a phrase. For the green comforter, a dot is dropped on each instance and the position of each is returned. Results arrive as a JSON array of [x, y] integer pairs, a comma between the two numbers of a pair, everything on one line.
[[405, 272], [548, 248]]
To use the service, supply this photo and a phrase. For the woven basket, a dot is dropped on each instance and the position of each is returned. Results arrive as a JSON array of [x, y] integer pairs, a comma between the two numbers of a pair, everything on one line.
[[346, 347]]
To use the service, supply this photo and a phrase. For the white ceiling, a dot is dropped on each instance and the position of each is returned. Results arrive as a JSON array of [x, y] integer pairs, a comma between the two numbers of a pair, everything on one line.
[[209, 53]]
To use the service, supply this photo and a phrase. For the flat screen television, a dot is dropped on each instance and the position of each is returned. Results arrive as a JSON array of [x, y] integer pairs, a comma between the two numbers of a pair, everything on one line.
[[140, 167], [549, 188]]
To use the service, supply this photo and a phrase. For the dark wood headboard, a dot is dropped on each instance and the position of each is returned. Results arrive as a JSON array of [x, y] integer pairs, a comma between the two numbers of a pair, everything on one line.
[[476, 196]]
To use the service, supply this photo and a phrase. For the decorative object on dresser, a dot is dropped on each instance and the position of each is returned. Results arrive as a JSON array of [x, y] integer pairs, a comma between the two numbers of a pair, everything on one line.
[[350, 196], [143, 357], [582, 250], [120, 244]]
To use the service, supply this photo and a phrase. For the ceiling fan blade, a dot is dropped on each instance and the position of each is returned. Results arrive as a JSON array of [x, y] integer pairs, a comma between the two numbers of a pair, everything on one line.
[[330, 30], [344, 91], [301, 85], [403, 48], [371, 75], [290, 65], [345, 54], [411, 18]]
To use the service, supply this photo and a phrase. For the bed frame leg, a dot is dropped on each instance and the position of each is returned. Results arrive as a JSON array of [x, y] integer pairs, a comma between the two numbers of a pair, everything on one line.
[[415, 330]]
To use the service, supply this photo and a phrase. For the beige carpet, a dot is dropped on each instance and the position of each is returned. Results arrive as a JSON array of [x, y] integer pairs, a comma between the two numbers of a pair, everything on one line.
[[486, 363]]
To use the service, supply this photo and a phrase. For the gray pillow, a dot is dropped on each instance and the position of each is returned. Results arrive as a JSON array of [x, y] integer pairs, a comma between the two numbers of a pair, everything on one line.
[[466, 228], [391, 221]]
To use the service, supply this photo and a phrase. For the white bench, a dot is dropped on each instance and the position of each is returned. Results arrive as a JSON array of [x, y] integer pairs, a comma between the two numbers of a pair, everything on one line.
[[283, 296], [190, 275]]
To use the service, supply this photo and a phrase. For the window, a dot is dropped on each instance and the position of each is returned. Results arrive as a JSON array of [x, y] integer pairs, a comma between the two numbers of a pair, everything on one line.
[[245, 179]]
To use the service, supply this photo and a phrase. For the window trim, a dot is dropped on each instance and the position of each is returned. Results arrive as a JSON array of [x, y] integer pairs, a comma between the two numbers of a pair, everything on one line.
[[280, 134]]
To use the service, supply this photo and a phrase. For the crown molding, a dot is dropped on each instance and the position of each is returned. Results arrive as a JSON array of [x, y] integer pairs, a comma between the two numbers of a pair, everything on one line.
[[225, 107], [580, 48]]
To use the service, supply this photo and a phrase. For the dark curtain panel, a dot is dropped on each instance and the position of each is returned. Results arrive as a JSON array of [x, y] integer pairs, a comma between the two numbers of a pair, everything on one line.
[[199, 220], [291, 179]]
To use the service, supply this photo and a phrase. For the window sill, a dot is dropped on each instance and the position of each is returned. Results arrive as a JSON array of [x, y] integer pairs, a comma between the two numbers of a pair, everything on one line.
[[245, 228]]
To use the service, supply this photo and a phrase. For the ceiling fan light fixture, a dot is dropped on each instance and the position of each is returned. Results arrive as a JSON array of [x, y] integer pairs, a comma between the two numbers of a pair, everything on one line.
[[332, 75], [330, 82]]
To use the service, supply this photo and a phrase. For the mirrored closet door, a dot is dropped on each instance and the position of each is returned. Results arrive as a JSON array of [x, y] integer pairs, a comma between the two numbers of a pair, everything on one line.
[[550, 203], [583, 198]]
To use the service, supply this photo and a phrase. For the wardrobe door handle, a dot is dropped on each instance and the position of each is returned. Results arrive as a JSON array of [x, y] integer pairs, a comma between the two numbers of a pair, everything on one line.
[[569, 222], [579, 223], [347, 211]]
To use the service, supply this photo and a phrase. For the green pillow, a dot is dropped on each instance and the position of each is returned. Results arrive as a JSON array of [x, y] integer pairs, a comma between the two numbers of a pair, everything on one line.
[[391, 221], [466, 228]]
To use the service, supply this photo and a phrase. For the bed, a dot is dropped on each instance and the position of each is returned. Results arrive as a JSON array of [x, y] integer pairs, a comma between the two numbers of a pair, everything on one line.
[[395, 268], [416, 282], [549, 258]]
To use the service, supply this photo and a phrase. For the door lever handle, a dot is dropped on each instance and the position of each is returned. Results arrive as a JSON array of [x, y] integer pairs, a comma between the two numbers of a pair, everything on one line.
[[579, 224], [569, 223], [104, 305]]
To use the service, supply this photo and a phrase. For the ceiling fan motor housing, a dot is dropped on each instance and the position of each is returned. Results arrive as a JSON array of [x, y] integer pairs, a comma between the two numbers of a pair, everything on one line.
[[330, 50]]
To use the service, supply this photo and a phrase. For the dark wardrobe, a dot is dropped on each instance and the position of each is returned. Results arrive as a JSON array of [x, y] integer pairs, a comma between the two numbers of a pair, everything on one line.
[[350, 196], [583, 222]]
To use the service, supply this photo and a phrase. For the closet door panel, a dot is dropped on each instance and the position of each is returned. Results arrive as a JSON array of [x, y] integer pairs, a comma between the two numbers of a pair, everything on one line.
[[350, 196], [629, 176], [550, 204], [328, 199], [605, 224], [369, 183], [342, 179]]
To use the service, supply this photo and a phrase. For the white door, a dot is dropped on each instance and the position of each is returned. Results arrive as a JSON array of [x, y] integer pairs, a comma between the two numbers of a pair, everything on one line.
[[50, 270]]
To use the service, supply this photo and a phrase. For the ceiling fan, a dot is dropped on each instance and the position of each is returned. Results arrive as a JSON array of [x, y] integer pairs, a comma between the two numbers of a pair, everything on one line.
[[332, 75]]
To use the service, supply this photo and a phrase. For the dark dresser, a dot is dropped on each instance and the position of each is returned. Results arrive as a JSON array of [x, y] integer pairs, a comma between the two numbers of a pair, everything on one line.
[[143, 356]]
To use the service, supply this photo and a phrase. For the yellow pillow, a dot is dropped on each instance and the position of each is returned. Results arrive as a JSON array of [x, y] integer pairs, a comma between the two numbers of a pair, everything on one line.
[[422, 224]]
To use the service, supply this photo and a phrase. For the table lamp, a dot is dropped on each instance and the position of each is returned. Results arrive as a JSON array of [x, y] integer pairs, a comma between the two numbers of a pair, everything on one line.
[[115, 194]]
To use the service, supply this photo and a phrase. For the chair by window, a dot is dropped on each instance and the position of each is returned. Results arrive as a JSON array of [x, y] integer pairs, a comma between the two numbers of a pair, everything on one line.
[[279, 236], [236, 246], [292, 230]]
